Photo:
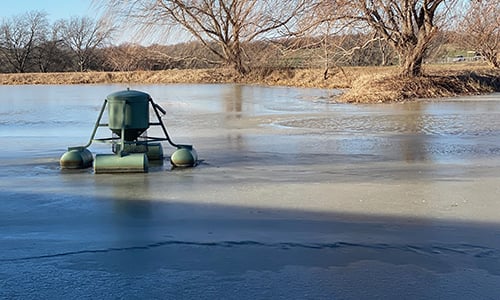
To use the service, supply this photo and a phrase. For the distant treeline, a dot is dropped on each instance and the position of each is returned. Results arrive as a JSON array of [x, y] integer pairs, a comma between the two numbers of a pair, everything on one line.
[[29, 43]]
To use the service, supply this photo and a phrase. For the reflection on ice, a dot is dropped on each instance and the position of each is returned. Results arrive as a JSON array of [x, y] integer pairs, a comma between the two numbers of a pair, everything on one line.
[[425, 118]]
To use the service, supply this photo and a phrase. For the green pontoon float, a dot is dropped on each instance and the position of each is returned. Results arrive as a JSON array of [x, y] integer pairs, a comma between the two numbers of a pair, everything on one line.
[[128, 120]]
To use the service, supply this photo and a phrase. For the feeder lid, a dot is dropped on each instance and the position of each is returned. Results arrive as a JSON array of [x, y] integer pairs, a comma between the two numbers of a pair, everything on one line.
[[129, 96]]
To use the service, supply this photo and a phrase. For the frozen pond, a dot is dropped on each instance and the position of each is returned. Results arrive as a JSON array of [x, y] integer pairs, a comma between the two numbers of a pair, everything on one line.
[[295, 198]]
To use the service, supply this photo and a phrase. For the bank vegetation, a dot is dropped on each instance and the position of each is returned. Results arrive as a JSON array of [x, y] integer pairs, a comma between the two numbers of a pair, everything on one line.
[[359, 84]]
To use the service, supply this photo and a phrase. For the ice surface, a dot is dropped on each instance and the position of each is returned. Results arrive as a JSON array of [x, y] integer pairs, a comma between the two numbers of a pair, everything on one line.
[[296, 198]]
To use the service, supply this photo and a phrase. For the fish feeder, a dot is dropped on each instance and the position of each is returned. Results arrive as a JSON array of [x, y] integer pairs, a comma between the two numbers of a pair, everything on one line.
[[128, 120]]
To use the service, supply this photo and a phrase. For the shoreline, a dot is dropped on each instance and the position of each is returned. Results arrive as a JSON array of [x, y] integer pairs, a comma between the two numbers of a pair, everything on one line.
[[364, 84]]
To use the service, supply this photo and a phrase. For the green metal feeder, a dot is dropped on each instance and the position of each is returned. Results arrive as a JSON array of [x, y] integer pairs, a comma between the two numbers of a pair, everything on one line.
[[128, 120]]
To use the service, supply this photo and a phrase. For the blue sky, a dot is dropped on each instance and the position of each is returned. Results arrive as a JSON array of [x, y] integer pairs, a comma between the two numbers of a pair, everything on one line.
[[56, 9], [65, 9]]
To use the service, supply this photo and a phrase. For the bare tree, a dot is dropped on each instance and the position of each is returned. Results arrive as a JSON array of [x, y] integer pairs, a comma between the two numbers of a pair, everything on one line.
[[481, 29], [222, 26], [326, 23], [407, 25], [83, 36], [334, 27], [50, 55], [19, 36]]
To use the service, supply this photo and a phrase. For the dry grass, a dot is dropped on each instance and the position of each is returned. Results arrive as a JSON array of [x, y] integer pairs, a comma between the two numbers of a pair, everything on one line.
[[363, 84], [147, 77], [437, 82]]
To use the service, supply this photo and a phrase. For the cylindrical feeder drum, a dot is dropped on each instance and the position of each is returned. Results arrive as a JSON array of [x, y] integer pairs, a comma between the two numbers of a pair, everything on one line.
[[128, 109]]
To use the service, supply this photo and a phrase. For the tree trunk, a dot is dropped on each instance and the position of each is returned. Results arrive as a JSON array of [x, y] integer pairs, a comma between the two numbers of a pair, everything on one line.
[[412, 57], [383, 53], [493, 60], [239, 67], [412, 66], [233, 56]]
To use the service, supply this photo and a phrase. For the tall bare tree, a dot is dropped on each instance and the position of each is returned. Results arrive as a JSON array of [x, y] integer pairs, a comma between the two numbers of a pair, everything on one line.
[[83, 36], [407, 25], [222, 26], [19, 37], [481, 29]]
